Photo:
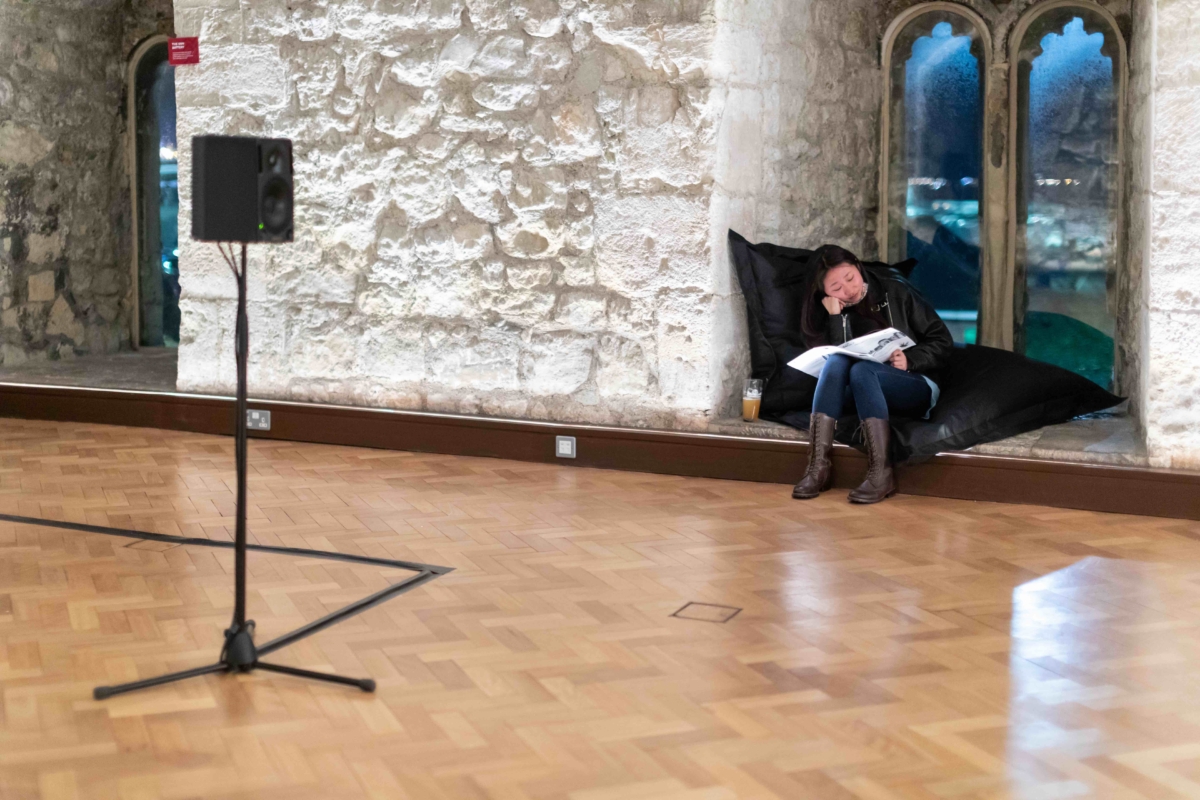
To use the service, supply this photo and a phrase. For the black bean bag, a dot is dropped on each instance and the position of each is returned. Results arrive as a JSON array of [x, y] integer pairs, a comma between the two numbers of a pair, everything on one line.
[[986, 395], [773, 280]]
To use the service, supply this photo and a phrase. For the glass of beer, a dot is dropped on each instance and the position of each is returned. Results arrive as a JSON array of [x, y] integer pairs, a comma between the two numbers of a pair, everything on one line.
[[752, 399]]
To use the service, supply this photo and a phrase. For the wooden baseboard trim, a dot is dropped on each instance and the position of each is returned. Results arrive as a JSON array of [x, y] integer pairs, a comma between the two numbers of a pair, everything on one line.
[[1092, 487]]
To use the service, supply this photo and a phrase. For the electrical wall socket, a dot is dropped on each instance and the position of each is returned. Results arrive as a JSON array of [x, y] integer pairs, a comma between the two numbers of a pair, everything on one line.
[[564, 446], [258, 419]]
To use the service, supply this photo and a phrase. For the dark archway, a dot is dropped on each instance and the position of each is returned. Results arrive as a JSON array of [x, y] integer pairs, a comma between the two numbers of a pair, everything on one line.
[[156, 198]]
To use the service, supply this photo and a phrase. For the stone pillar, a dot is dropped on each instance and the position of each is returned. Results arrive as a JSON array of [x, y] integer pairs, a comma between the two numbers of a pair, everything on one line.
[[1171, 203], [796, 87], [1132, 339]]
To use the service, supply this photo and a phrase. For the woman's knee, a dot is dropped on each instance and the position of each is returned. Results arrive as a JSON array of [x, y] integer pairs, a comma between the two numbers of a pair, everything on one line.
[[864, 372], [838, 363]]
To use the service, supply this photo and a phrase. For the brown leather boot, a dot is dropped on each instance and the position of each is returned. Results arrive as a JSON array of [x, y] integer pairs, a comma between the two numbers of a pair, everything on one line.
[[881, 480], [819, 475]]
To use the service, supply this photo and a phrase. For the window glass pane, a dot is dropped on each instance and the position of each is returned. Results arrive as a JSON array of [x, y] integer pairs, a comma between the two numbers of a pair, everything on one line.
[[1067, 198], [936, 152], [168, 208]]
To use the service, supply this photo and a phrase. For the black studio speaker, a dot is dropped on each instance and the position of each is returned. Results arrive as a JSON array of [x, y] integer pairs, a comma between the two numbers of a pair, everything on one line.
[[241, 189]]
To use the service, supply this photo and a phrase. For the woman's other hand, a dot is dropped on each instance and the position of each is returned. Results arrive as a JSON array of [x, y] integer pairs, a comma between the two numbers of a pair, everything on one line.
[[899, 360], [832, 305]]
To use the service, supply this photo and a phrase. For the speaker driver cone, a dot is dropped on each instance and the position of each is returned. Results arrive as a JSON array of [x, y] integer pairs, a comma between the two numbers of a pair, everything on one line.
[[276, 206]]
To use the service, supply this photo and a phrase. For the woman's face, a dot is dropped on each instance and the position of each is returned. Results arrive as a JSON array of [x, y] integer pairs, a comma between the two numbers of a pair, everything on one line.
[[844, 283]]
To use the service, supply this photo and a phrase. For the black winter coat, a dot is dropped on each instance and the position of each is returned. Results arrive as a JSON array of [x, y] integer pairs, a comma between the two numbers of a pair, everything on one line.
[[895, 300]]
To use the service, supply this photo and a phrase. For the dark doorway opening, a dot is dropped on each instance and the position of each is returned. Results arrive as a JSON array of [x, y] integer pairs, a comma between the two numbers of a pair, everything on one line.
[[157, 201]]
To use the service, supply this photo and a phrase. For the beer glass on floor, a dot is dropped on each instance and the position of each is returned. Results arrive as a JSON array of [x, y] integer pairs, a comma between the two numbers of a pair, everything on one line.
[[752, 399]]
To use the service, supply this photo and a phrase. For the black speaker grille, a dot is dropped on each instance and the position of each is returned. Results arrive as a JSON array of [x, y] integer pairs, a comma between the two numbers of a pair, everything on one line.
[[225, 189]]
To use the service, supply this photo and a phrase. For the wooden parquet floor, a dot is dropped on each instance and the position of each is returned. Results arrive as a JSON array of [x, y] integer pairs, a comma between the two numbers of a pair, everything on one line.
[[921, 648]]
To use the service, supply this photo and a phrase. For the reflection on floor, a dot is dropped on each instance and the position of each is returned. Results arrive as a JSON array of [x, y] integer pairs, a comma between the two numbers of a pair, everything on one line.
[[921, 648], [1103, 438], [151, 369]]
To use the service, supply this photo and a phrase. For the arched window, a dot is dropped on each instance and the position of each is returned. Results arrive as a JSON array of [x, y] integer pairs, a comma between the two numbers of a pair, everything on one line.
[[1069, 83], [154, 190], [936, 63]]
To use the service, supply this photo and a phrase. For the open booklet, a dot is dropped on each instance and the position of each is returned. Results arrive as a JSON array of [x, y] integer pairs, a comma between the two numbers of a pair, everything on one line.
[[877, 346]]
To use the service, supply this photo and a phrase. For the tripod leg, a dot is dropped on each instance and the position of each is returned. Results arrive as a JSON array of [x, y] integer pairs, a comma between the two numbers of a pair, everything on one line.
[[102, 692], [366, 684]]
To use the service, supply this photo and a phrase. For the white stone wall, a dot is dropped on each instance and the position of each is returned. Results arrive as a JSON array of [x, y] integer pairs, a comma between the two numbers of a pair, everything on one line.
[[502, 208], [518, 208], [1172, 395]]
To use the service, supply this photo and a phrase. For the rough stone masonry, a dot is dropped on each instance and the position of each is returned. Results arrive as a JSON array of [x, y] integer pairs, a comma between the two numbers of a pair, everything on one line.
[[518, 208]]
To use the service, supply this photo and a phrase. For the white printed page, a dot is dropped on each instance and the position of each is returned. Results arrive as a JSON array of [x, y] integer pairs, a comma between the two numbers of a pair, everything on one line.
[[811, 361], [877, 346]]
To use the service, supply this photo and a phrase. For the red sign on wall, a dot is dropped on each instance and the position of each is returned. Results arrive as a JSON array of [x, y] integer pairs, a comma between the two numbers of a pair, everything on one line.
[[184, 50]]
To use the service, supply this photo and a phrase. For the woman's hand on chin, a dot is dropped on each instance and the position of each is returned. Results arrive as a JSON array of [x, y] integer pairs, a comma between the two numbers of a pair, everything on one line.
[[832, 305]]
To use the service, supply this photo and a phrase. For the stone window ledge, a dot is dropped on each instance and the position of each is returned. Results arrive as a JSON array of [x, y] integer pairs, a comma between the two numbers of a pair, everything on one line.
[[1104, 438]]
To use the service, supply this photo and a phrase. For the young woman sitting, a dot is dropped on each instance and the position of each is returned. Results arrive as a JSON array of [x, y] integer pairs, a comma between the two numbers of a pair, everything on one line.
[[845, 301]]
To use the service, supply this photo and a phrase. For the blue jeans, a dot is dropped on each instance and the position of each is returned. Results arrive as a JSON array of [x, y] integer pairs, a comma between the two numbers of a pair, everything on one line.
[[874, 389]]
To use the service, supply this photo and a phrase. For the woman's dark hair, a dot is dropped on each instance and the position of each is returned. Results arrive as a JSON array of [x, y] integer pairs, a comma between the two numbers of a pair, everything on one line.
[[814, 319]]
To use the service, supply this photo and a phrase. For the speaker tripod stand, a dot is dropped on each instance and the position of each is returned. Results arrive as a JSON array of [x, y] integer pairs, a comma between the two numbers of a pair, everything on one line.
[[240, 654]]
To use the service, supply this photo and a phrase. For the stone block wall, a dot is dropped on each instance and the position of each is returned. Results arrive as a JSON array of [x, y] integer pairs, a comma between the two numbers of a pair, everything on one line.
[[519, 208], [64, 209]]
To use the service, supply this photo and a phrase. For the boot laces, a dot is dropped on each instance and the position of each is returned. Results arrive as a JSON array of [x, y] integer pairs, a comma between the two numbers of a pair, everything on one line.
[[876, 459], [813, 463], [812, 466]]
